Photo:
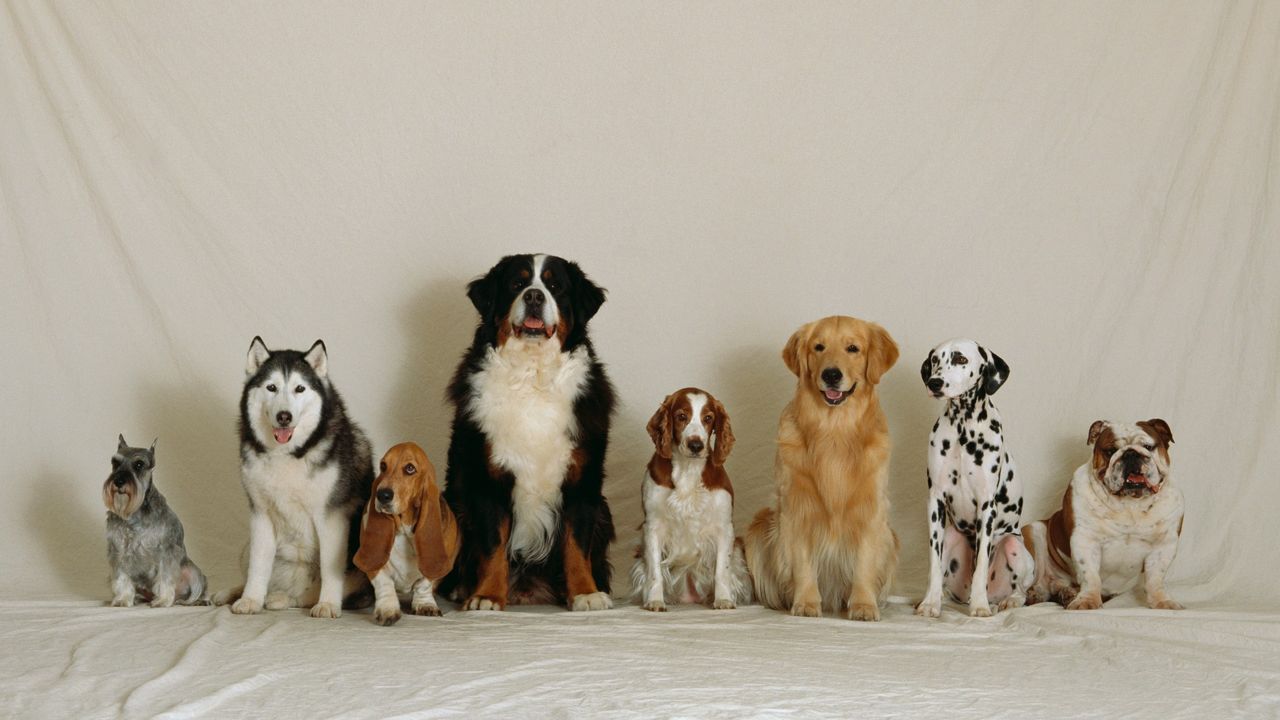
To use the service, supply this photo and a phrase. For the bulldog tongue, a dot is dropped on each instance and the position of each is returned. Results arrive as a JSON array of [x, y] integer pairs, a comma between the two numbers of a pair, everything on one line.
[[833, 394], [283, 434]]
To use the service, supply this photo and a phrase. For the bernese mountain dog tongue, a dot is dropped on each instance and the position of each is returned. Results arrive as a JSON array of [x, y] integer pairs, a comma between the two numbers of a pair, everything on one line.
[[283, 435], [534, 326]]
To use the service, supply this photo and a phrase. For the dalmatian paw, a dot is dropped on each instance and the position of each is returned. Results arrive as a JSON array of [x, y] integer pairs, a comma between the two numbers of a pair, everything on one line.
[[427, 610], [385, 615], [326, 610], [1013, 601], [1167, 603], [723, 604], [480, 602], [1085, 601], [979, 609], [591, 601], [246, 606], [929, 608], [655, 606], [864, 612], [806, 609]]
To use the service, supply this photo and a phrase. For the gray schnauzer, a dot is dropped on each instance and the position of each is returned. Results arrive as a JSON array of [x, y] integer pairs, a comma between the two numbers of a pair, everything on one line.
[[144, 537]]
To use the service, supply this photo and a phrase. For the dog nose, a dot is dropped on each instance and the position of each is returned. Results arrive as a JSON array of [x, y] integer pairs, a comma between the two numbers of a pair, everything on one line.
[[935, 384], [695, 445], [385, 495], [831, 376], [119, 480], [533, 297], [284, 417]]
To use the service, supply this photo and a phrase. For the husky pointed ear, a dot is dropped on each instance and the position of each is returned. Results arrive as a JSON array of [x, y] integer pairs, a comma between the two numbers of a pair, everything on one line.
[[258, 354], [587, 296], [122, 444], [430, 537], [994, 373], [318, 359], [376, 538]]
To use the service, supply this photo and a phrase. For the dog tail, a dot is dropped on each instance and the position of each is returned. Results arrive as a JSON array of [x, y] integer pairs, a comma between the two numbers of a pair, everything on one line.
[[226, 597], [772, 583]]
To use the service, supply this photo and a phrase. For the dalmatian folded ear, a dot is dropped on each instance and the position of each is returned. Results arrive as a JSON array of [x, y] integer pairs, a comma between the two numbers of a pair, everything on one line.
[[994, 371]]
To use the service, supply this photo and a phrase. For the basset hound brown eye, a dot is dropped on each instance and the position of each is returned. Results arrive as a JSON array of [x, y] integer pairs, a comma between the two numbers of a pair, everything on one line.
[[382, 466], [409, 469], [958, 359], [819, 347], [851, 349]]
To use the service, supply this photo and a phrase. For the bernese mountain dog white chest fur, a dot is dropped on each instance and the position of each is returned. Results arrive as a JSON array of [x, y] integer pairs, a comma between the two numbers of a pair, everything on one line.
[[530, 431]]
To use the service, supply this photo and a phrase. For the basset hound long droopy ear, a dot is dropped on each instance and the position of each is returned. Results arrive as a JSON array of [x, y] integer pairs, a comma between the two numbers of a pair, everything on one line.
[[723, 432], [435, 537], [376, 537], [659, 427]]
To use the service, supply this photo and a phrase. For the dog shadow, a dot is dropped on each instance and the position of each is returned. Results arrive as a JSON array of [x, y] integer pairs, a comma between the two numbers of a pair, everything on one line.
[[434, 341], [67, 539]]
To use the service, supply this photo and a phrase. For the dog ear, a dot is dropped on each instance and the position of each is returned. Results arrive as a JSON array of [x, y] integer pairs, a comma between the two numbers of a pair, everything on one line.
[[1158, 429], [926, 368], [122, 444], [152, 451], [483, 291], [434, 559], [659, 427], [882, 354], [723, 431], [793, 352], [1095, 430], [318, 358], [587, 296], [994, 373], [258, 354], [376, 539]]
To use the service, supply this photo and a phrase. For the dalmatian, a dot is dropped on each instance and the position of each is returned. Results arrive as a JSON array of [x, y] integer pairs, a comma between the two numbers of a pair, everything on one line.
[[975, 499]]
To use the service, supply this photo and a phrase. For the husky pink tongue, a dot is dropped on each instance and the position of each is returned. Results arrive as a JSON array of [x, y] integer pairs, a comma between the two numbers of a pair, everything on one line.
[[833, 394], [283, 435]]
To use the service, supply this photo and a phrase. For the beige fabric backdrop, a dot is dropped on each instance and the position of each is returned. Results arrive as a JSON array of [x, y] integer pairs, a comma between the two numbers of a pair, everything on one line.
[[1089, 189]]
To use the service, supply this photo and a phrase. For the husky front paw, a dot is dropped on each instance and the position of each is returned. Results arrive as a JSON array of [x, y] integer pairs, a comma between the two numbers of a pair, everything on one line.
[[1085, 601], [655, 606], [592, 601], [246, 606], [386, 615], [864, 611], [326, 610], [481, 602]]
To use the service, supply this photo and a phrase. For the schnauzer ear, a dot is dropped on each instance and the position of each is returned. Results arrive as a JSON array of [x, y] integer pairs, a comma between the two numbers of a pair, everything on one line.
[[122, 444], [587, 296], [723, 431], [435, 558], [793, 353], [376, 539], [994, 373], [882, 354], [659, 428], [258, 354], [152, 451], [1095, 430], [318, 359]]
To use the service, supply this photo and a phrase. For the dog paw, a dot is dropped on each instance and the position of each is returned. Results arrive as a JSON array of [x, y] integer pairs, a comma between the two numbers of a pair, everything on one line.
[[224, 597], [1166, 604], [246, 606], [385, 616], [655, 606], [278, 601], [1085, 602], [806, 610], [979, 610], [723, 604], [162, 601], [122, 601], [427, 610], [479, 602], [591, 601], [929, 608], [863, 612], [326, 610], [1013, 601]]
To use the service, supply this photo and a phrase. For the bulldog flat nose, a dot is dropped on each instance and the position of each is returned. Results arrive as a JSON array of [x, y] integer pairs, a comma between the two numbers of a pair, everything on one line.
[[284, 417], [696, 445], [831, 376], [935, 384], [385, 495], [534, 296]]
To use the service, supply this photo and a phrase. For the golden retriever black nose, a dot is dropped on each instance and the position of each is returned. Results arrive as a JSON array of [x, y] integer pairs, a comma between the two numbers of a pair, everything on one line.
[[832, 376]]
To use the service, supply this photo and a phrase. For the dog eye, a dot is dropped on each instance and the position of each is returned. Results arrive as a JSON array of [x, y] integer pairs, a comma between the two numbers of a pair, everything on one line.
[[138, 465], [553, 286], [272, 388], [382, 467], [958, 359], [409, 469], [819, 347], [852, 349], [681, 417], [707, 419], [300, 389]]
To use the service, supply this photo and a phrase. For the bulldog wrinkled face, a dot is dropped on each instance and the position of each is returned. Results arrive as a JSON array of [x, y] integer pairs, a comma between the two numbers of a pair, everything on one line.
[[1131, 460], [959, 366], [126, 487], [398, 488]]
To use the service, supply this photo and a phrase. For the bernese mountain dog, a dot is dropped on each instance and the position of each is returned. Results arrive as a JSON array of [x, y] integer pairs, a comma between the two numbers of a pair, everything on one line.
[[526, 458]]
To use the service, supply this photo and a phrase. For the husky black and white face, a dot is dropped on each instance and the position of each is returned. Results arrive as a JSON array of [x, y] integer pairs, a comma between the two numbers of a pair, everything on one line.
[[957, 367], [535, 298], [284, 394], [126, 487]]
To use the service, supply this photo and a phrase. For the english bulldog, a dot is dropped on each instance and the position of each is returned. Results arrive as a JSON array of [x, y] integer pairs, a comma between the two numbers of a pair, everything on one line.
[[1120, 517]]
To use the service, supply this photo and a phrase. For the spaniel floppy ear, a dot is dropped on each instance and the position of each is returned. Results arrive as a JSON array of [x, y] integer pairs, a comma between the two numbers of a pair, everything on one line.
[[434, 559], [882, 354], [376, 539], [1095, 430], [723, 431], [793, 353], [659, 427]]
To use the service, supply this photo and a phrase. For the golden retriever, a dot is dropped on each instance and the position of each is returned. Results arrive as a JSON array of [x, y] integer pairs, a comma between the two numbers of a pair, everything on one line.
[[828, 543]]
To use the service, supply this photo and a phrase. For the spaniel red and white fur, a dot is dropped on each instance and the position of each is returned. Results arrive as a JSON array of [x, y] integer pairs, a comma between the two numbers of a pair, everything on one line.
[[688, 552]]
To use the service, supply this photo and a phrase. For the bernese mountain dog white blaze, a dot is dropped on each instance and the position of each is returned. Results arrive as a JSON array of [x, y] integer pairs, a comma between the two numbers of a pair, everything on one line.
[[531, 426]]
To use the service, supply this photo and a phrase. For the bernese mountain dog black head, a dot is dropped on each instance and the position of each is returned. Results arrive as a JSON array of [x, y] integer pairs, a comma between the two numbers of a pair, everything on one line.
[[535, 298]]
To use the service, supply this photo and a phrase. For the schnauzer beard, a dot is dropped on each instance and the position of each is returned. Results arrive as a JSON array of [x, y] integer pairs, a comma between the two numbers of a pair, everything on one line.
[[123, 503]]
